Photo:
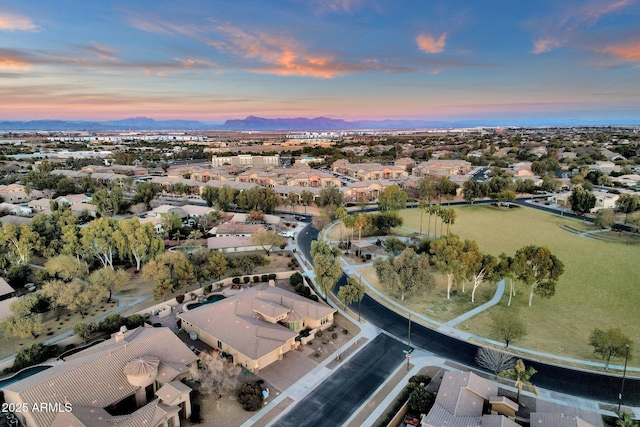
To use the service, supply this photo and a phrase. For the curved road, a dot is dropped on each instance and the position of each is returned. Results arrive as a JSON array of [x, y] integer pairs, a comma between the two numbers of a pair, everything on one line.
[[589, 385]]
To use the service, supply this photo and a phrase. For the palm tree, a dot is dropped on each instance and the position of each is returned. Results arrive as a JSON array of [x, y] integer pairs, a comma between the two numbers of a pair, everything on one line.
[[522, 377], [348, 222], [293, 199], [341, 213], [625, 420], [422, 206], [438, 212], [450, 217], [361, 220]]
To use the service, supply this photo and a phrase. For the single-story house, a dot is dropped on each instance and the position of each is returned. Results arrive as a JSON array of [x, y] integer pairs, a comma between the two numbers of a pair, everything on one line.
[[128, 371], [79, 208], [232, 244], [258, 325], [72, 199], [15, 220], [15, 209], [40, 205], [157, 224]]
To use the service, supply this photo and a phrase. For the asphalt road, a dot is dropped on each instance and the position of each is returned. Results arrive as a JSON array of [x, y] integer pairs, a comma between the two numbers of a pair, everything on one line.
[[333, 402], [590, 385]]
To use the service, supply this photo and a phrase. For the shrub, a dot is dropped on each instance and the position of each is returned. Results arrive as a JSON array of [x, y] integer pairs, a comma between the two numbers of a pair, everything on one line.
[[134, 321], [246, 279], [33, 355], [18, 275], [420, 379], [345, 331], [319, 334], [331, 328], [250, 396], [256, 279], [296, 279], [420, 400], [313, 297], [180, 298], [207, 289], [272, 276], [334, 336], [236, 280], [264, 278]]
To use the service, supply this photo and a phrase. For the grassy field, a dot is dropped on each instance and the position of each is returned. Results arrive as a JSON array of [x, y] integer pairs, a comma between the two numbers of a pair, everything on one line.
[[598, 289], [434, 304]]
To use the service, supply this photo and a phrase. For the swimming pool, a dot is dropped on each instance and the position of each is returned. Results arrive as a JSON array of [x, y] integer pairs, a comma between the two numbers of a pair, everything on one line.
[[25, 373], [209, 300]]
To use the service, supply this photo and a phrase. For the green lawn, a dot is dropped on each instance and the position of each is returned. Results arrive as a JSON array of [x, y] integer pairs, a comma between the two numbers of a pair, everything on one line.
[[598, 289]]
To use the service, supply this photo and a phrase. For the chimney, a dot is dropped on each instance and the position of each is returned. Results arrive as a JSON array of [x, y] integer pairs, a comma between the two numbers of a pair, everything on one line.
[[119, 336]]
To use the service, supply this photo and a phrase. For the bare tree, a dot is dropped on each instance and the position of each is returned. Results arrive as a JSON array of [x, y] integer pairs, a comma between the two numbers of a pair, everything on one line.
[[214, 375], [494, 360]]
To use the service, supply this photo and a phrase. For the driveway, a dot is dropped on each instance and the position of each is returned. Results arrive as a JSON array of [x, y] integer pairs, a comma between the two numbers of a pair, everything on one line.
[[336, 398], [284, 373]]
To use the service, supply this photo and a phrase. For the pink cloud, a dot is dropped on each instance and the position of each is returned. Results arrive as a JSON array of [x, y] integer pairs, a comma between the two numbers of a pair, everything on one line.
[[10, 22], [628, 52], [429, 44], [13, 64], [284, 56], [545, 45]]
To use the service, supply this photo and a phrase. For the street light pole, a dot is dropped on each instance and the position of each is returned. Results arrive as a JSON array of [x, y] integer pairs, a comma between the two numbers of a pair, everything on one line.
[[409, 343], [624, 373], [360, 301]]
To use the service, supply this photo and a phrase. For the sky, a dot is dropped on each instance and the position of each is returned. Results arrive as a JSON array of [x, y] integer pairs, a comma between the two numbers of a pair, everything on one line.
[[213, 60]]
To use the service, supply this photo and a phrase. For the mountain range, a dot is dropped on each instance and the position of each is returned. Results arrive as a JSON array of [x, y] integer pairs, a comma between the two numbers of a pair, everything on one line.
[[253, 123]]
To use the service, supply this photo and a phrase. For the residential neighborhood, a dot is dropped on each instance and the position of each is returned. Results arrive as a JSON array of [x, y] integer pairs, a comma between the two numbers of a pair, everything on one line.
[[149, 280]]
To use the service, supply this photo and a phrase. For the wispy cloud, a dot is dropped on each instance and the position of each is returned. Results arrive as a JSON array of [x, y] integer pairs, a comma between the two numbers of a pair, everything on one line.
[[157, 25], [569, 26], [97, 58], [11, 22], [545, 45], [338, 5], [14, 60], [100, 51], [626, 51], [430, 44], [282, 55]]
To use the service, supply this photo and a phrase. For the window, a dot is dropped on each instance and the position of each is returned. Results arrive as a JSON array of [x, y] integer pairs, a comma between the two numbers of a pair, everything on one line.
[[220, 345], [293, 325], [170, 422], [324, 320]]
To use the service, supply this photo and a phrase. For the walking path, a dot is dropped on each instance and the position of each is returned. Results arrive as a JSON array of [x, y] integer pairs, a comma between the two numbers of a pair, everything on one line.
[[469, 314]]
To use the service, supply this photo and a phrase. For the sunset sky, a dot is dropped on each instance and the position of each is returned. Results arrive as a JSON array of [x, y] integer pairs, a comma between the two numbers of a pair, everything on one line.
[[212, 60]]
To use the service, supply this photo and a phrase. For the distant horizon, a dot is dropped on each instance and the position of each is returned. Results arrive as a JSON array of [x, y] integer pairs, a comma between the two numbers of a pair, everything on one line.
[[220, 121], [292, 124]]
